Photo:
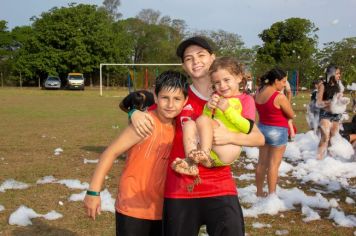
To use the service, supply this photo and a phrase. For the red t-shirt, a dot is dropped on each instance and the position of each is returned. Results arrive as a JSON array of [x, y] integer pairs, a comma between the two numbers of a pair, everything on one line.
[[216, 181]]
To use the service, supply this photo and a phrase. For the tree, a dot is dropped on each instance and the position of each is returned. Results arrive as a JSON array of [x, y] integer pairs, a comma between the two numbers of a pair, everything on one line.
[[149, 16], [76, 38], [112, 7], [290, 44], [342, 54]]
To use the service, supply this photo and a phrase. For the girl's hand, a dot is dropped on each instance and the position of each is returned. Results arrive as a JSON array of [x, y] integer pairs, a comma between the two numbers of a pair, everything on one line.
[[143, 123], [213, 101], [223, 104], [92, 204]]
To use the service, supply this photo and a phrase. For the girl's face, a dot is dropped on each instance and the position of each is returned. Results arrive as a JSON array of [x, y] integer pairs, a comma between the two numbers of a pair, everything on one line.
[[337, 74], [225, 83], [280, 84]]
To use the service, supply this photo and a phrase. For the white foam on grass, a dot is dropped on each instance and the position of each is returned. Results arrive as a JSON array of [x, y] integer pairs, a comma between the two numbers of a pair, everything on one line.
[[46, 180], [23, 215], [12, 184], [349, 201], [342, 220], [309, 214], [73, 183], [2, 208], [258, 225], [58, 151]]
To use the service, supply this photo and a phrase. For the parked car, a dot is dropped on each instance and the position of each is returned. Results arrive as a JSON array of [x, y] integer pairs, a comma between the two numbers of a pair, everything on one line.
[[75, 81], [52, 82]]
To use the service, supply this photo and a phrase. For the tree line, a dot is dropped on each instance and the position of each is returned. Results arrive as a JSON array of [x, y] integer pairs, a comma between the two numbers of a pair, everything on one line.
[[79, 37]]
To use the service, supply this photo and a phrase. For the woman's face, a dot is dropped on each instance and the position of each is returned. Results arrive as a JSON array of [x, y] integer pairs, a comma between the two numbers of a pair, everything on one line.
[[280, 84], [337, 75]]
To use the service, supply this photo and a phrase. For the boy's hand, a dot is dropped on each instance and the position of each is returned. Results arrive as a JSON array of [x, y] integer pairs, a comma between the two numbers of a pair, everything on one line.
[[143, 123], [92, 204], [213, 101]]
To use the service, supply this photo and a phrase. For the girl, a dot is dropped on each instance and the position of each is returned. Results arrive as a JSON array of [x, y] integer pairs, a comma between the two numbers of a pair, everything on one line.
[[329, 121], [226, 74], [274, 110]]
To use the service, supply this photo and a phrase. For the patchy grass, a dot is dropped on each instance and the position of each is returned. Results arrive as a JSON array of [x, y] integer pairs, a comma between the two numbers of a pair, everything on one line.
[[33, 123]]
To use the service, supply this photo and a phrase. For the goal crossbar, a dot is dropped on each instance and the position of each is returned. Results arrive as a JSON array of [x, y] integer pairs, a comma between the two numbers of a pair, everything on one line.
[[130, 64]]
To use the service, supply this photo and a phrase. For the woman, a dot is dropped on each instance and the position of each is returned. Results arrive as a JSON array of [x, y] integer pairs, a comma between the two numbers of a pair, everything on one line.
[[329, 121], [274, 111]]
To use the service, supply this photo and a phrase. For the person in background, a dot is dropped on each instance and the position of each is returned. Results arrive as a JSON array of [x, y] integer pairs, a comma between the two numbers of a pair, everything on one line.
[[274, 111], [139, 201], [329, 121], [139, 100], [214, 201], [312, 109]]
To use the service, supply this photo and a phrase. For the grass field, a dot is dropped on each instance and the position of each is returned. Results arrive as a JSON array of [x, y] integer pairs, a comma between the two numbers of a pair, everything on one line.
[[33, 123]]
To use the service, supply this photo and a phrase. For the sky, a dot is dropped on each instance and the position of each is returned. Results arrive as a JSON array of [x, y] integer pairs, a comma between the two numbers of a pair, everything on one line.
[[335, 19]]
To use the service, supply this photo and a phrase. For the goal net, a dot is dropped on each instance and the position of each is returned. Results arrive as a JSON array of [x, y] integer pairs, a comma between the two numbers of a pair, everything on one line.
[[133, 65]]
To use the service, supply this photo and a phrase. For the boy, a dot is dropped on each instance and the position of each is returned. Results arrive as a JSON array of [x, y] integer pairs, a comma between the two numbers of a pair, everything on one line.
[[139, 201]]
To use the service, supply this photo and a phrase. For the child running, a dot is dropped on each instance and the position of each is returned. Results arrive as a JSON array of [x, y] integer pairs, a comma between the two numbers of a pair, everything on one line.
[[226, 74], [139, 201]]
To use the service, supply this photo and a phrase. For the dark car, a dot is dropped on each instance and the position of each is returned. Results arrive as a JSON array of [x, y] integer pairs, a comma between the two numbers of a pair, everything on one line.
[[52, 82]]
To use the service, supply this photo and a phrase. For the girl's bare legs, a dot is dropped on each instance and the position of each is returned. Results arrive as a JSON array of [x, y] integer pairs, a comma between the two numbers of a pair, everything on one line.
[[190, 140], [324, 138], [275, 158], [261, 169]]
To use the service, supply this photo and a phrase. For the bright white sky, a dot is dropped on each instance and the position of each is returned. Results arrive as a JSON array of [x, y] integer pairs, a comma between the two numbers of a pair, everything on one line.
[[335, 19]]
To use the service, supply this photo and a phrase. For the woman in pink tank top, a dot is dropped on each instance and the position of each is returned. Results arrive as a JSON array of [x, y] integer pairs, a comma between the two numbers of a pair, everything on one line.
[[274, 110]]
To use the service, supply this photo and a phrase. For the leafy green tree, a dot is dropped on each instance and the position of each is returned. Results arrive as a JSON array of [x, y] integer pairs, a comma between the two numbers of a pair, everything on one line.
[[342, 54], [290, 44], [76, 38]]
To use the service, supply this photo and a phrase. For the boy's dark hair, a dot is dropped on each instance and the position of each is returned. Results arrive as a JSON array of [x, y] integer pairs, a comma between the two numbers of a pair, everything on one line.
[[171, 80]]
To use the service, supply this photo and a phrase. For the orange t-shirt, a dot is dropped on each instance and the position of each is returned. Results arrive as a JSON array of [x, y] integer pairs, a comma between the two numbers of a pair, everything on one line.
[[141, 185]]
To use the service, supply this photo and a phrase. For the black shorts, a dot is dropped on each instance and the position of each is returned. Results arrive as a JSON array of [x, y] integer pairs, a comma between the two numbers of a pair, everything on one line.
[[221, 215], [329, 116], [130, 226]]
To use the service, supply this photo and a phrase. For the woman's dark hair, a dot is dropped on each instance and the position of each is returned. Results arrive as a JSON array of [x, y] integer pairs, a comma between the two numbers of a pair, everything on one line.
[[271, 76], [171, 80], [331, 85]]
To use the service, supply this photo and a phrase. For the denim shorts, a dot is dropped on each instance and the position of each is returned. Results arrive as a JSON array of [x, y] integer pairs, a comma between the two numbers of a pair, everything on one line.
[[329, 116], [274, 135]]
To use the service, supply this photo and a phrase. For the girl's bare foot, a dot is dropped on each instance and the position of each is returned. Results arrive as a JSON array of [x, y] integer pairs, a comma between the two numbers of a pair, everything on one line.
[[204, 158], [263, 194], [181, 166]]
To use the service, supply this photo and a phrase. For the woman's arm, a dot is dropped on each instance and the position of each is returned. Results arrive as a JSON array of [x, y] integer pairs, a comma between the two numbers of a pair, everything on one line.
[[125, 141], [285, 106], [223, 136]]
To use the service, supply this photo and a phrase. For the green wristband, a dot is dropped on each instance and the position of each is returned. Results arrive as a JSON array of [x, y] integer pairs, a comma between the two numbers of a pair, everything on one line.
[[131, 112], [93, 193]]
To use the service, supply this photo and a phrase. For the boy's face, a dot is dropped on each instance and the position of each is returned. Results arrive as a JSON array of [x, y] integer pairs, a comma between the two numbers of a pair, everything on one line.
[[197, 61], [170, 103]]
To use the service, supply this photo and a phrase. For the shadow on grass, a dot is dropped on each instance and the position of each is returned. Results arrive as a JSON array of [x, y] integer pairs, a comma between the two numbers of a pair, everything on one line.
[[96, 149], [40, 228]]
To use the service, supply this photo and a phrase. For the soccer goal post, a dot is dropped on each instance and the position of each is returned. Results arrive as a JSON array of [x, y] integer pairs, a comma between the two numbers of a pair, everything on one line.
[[132, 65]]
